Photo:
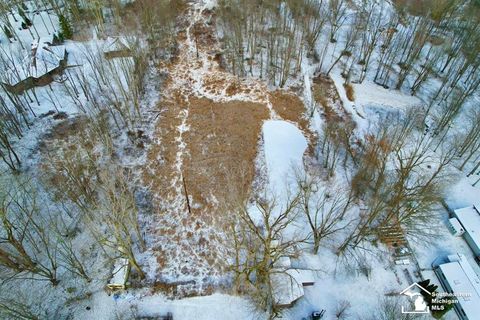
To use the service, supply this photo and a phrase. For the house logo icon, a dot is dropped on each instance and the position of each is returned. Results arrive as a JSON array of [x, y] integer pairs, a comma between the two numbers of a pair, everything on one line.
[[415, 293]]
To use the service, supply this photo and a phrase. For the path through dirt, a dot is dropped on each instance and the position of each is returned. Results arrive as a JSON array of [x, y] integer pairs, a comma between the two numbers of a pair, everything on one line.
[[205, 140]]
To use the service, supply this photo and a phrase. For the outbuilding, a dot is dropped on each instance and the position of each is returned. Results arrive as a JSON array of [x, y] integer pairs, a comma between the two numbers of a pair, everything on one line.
[[116, 47], [469, 219], [121, 272], [458, 277]]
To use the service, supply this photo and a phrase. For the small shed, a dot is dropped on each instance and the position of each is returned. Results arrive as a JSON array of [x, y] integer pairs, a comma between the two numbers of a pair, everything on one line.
[[469, 219], [286, 289], [121, 271], [116, 47], [458, 277]]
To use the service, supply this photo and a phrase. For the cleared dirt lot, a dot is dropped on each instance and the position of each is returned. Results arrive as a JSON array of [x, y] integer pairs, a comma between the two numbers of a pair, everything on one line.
[[221, 147], [204, 145]]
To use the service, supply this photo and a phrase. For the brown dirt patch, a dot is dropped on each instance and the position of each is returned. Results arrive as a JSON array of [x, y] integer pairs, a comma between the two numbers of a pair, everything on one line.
[[65, 132], [161, 156], [204, 35], [291, 108], [233, 89], [222, 145], [326, 96]]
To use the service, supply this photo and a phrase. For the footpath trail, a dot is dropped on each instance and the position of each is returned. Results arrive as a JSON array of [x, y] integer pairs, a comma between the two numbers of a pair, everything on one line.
[[205, 144]]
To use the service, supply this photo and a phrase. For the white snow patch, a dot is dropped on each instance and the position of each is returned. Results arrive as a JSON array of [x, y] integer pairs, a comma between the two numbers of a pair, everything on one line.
[[370, 96], [284, 148], [369, 93], [216, 306], [463, 194], [210, 4]]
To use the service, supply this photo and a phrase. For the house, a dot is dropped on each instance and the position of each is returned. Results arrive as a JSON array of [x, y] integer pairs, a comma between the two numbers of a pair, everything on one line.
[[116, 47], [37, 68], [288, 283], [458, 277], [469, 219], [121, 271]]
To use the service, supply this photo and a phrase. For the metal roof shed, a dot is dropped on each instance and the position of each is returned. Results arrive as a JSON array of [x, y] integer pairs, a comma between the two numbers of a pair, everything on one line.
[[469, 217], [121, 271], [457, 276]]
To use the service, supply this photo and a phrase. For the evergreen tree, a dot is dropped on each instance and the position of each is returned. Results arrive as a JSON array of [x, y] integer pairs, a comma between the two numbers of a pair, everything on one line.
[[66, 28]]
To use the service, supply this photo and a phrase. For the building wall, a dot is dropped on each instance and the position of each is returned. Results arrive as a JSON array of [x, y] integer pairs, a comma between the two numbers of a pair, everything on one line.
[[471, 244]]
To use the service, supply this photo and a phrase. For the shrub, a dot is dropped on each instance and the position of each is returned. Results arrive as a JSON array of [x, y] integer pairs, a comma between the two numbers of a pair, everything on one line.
[[349, 91]]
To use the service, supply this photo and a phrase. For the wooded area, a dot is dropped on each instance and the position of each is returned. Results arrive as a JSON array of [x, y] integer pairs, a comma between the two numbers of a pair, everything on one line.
[[82, 181]]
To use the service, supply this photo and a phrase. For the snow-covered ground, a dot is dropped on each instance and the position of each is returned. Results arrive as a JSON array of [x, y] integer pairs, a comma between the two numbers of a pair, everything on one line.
[[284, 148], [130, 306]]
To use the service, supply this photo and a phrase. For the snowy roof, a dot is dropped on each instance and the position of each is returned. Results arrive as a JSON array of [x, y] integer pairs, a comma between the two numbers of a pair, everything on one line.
[[469, 217], [113, 44], [286, 287], [456, 224], [120, 272], [42, 59], [283, 262], [462, 279], [288, 283], [303, 277]]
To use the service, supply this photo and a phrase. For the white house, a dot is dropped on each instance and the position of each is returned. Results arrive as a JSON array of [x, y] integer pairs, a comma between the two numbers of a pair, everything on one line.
[[457, 276]]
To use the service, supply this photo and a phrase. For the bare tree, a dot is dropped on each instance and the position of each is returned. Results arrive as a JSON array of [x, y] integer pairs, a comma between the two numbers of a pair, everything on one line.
[[116, 224], [342, 310], [397, 189], [17, 309], [323, 207], [26, 243], [259, 243], [337, 16], [372, 19]]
